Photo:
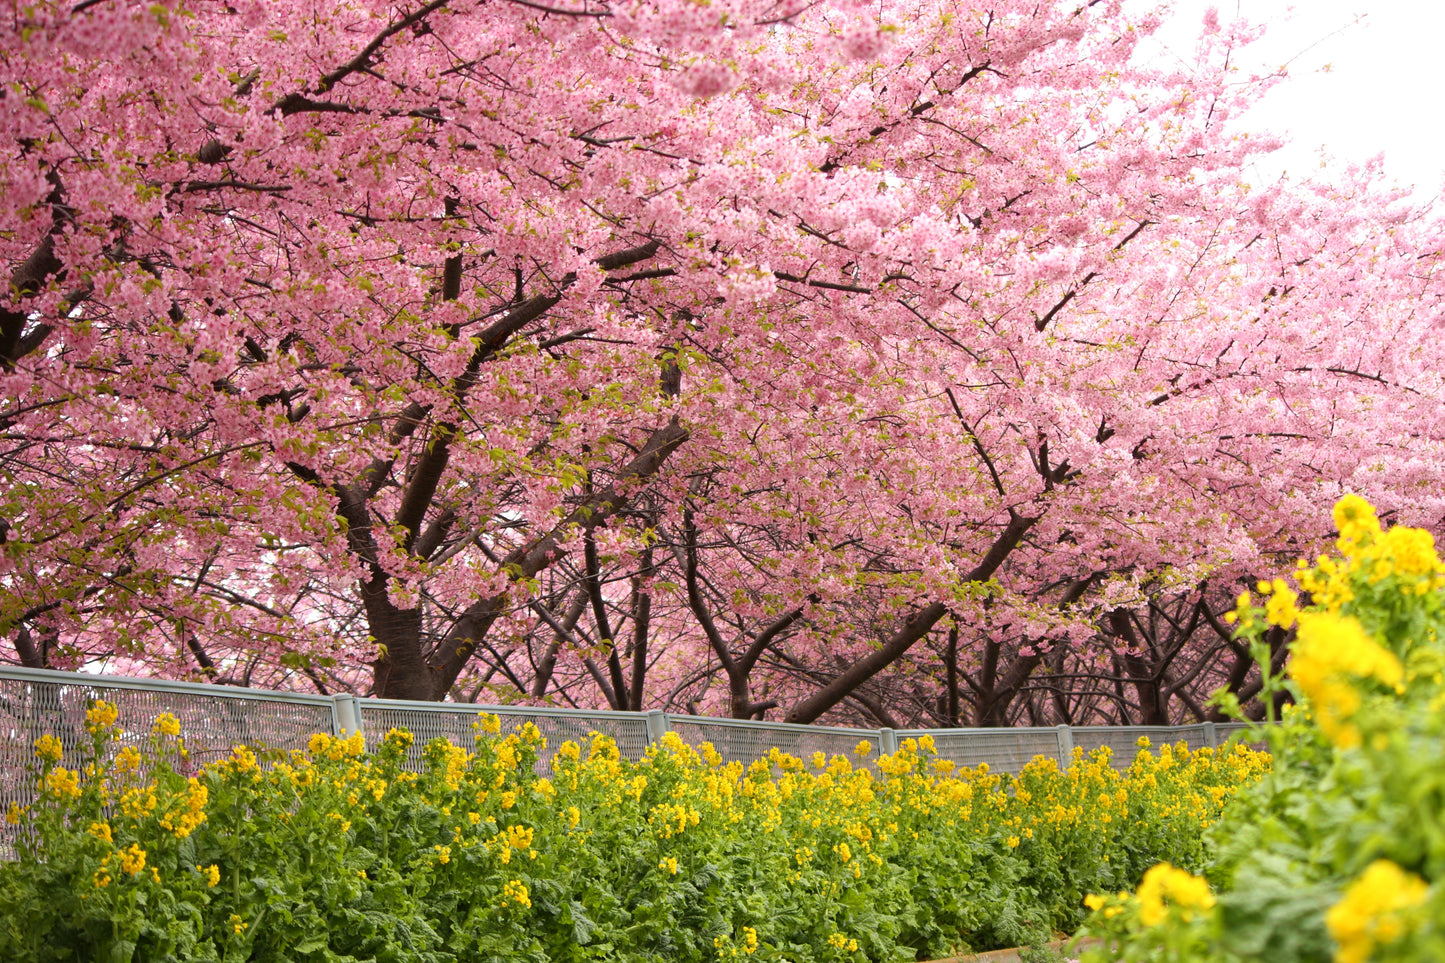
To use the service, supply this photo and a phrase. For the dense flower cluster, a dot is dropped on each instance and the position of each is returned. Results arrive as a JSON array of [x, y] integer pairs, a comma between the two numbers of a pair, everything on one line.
[[1375, 910], [821, 860]]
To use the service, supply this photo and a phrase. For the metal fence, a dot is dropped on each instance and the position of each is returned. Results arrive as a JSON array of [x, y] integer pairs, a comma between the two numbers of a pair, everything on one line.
[[215, 718]]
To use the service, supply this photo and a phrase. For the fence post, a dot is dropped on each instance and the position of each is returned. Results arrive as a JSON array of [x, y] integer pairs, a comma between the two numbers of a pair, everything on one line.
[[1211, 738], [656, 725], [347, 714], [887, 742], [1066, 745]]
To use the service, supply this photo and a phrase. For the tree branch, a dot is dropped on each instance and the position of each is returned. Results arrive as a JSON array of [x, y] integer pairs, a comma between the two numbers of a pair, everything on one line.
[[912, 630]]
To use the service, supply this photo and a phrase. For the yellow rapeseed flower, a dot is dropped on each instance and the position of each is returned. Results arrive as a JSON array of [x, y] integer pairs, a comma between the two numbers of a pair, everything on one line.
[[1282, 607], [1374, 911], [49, 748], [166, 725], [514, 891], [242, 759], [1331, 652], [1164, 886], [132, 860], [211, 874], [101, 716], [127, 760], [62, 783], [1356, 521]]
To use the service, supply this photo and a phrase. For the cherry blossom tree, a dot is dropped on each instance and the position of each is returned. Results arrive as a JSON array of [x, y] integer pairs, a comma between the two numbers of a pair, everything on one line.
[[750, 356]]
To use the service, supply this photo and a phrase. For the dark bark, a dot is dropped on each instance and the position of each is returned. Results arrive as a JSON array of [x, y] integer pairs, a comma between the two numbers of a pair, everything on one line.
[[641, 623], [32, 656], [950, 668], [25, 281], [547, 664], [993, 709], [1142, 674], [593, 584], [738, 669], [445, 663], [915, 628]]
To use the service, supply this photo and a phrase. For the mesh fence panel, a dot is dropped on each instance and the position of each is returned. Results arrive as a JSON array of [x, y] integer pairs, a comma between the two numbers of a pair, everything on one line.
[[1005, 750], [1124, 740], [1225, 730], [746, 742], [455, 722], [214, 718], [212, 721]]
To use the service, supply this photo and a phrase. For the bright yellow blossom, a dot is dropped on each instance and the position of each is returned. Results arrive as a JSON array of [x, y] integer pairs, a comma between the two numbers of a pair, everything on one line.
[[1330, 653], [48, 748], [1375, 910], [514, 891], [1164, 886], [63, 783], [127, 760], [101, 716], [132, 860]]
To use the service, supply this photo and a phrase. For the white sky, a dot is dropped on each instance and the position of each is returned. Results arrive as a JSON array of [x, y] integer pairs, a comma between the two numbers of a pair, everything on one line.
[[1365, 77]]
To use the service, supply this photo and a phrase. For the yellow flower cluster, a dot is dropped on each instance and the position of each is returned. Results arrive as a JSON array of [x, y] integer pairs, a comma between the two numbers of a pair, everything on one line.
[[1375, 910], [1165, 887], [514, 891], [101, 716], [166, 725], [829, 828], [183, 820], [1331, 654], [1405, 555], [127, 760], [323, 745], [242, 759], [48, 748], [138, 803], [729, 949], [62, 782], [669, 820], [1282, 607], [132, 860]]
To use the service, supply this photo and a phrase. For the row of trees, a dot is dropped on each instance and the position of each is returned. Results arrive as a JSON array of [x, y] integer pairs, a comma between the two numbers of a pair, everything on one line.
[[914, 361]]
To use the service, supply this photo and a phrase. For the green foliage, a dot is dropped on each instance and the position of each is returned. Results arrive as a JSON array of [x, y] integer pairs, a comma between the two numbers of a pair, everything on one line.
[[1338, 853], [451, 854]]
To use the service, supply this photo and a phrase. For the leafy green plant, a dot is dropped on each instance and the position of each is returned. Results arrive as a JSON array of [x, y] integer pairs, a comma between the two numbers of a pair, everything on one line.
[[337, 854], [1337, 853]]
